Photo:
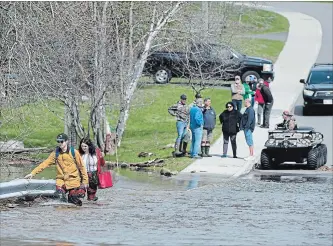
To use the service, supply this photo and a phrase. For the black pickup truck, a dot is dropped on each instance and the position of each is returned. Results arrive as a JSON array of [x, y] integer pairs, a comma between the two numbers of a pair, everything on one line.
[[206, 61]]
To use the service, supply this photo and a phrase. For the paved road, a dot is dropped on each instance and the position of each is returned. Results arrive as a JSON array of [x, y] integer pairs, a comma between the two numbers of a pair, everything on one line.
[[323, 13]]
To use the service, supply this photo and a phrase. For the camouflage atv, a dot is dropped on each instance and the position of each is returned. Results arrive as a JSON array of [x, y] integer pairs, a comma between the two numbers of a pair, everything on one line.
[[303, 145]]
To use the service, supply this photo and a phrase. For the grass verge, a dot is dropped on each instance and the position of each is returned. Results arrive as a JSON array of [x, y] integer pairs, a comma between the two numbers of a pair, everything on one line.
[[151, 128]]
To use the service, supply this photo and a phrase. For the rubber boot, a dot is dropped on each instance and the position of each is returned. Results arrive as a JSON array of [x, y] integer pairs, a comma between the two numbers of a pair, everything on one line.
[[203, 151], [184, 148], [177, 152], [180, 146], [207, 151]]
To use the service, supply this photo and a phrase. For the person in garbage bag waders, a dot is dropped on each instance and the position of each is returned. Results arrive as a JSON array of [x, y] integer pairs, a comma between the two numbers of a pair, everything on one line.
[[209, 117], [71, 177], [181, 111]]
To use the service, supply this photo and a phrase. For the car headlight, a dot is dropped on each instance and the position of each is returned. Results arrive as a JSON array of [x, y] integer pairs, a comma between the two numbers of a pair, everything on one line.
[[308, 93], [267, 67]]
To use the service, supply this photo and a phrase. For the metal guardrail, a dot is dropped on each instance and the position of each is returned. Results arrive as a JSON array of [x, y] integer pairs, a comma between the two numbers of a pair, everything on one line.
[[23, 187]]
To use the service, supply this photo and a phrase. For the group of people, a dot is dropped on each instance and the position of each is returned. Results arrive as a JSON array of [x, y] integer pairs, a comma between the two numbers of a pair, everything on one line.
[[196, 122], [258, 91], [77, 170]]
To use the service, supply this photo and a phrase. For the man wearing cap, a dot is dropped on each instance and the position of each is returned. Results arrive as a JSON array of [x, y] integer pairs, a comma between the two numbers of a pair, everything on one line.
[[181, 111], [197, 96], [196, 124], [269, 100], [70, 171], [289, 122]]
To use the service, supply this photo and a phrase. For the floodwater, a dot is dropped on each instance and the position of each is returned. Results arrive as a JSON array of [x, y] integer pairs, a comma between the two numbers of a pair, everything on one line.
[[185, 210]]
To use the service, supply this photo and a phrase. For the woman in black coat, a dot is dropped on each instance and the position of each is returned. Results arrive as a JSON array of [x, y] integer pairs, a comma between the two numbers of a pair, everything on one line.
[[230, 119]]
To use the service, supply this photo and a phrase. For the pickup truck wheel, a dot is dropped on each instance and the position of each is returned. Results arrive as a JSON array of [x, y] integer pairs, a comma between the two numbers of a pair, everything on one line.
[[248, 73], [312, 161], [162, 76], [265, 160]]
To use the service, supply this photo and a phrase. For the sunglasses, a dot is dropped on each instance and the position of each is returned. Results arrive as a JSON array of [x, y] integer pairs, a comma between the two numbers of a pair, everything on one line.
[[60, 141], [237, 79], [229, 106]]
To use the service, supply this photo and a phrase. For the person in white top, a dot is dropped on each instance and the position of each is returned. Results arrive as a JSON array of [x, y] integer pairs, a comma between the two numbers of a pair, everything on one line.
[[92, 158]]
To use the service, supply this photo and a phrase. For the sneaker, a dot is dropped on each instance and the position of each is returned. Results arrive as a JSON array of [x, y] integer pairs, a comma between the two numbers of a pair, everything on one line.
[[196, 157], [235, 156], [262, 126], [224, 156]]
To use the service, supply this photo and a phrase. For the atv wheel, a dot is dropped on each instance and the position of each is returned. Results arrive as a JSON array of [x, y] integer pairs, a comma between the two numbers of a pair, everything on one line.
[[325, 153], [313, 159], [265, 160]]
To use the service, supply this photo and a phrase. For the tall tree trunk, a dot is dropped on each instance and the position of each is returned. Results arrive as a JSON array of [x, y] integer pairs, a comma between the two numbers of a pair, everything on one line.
[[137, 71], [98, 116]]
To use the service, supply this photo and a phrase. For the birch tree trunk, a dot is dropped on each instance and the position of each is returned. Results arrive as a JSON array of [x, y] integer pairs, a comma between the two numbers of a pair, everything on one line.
[[138, 67], [98, 116]]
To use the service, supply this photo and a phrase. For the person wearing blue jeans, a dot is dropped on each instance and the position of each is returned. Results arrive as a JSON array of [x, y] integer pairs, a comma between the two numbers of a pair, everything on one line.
[[247, 124], [196, 124], [181, 111]]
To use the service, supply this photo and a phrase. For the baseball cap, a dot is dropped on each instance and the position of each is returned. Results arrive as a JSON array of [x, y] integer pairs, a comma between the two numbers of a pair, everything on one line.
[[62, 137], [198, 95], [286, 112], [183, 97]]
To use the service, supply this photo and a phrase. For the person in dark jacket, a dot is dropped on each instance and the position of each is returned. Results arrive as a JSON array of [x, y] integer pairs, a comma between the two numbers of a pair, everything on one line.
[[209, 117], [268, 98], [230, 120], [247, 124]]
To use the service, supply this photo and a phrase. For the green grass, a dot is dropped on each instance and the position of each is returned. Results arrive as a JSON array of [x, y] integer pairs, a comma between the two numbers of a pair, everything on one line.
[[34, 123], [265, 48], [264, 21]]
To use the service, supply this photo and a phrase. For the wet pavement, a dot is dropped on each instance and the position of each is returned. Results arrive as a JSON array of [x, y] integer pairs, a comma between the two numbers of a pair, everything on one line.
[[185, 210]]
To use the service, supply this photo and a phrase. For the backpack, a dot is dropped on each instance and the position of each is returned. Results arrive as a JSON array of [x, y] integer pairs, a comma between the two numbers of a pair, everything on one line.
[[72, 152]]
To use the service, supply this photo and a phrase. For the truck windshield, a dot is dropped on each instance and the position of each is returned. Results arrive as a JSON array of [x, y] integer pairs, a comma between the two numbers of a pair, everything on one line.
[[321, 77]]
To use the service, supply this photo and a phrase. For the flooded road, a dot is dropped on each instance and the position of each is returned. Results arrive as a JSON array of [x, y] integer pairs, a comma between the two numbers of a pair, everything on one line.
[[184, 211]]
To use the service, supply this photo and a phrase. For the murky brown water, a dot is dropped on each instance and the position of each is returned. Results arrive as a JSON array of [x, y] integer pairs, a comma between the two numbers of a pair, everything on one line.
[[188, 211]]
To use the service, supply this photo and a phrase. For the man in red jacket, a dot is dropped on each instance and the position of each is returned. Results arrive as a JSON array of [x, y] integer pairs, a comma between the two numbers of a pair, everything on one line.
[[260, 100]]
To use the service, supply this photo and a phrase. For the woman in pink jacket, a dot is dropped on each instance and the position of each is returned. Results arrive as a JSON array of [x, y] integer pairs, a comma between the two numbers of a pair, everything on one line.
[[260, 100]]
